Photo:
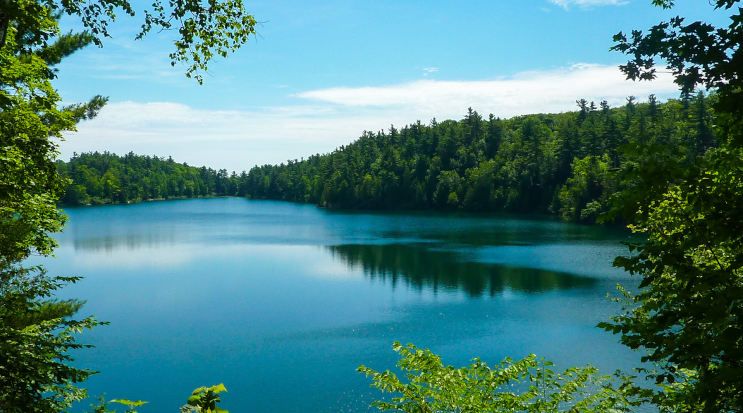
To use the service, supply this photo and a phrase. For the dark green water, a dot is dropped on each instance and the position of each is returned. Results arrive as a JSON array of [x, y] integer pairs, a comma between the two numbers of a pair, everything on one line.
[[282, 302]]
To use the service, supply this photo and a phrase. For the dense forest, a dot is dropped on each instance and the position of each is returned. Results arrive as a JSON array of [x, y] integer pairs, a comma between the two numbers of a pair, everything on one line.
[[105, 178], [543, 163]]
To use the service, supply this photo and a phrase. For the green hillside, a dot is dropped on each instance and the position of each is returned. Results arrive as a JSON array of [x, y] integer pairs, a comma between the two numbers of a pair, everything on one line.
[[106, 178], [545, 163]]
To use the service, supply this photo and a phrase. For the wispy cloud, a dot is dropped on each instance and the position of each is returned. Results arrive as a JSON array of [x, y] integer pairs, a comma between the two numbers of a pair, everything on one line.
[[588, 3], [529, 92], [427, 70], [324, 119]]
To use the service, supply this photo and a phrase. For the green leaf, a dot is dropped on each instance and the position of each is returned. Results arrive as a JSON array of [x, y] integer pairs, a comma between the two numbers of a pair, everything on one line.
[[194, 400], [129, 402]]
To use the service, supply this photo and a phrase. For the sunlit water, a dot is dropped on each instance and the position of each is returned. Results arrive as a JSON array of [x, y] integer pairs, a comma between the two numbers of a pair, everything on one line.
[[282, 302]]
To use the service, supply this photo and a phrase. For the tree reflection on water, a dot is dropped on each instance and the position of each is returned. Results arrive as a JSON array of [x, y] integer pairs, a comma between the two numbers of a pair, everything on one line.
[[424, 268]]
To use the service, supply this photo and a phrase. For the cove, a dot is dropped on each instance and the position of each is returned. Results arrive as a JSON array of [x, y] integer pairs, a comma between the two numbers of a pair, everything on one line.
[[281, 302]]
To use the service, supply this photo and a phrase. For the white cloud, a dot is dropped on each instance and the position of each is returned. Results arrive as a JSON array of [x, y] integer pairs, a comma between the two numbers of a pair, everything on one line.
[[325, 119], [230, 139], [588, 3], [530, 92]]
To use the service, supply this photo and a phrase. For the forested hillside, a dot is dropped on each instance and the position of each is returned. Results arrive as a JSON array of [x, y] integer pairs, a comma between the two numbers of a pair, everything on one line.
[[105, 178], [544, 163]]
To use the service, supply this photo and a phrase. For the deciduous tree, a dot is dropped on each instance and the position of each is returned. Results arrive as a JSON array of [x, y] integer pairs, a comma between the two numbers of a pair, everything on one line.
[[689, 314]]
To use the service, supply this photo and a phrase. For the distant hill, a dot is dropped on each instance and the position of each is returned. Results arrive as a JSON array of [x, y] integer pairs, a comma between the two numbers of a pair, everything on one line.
[[546, 163]]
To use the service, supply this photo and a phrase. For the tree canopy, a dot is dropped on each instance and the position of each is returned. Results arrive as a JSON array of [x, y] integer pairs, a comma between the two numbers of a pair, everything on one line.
[[697, 53], [105, 178], [546, 163], [206, 28], [36, 331], [689, 314]]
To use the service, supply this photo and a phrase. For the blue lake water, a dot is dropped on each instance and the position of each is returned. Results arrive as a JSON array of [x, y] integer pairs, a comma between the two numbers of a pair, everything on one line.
[[282, 302]]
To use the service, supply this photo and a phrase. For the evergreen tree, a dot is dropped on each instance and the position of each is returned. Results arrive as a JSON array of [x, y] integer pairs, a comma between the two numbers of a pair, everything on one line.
[[524, 164]]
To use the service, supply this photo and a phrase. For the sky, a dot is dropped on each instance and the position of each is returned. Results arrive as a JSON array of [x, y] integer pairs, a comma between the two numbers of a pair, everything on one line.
[[320, 73]]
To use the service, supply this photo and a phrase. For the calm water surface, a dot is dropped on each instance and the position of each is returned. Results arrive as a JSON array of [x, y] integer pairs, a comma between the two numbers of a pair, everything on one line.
[[282, 302]]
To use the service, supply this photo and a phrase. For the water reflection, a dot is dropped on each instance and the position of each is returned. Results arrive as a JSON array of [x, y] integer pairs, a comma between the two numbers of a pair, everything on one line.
[[111, 242], [425, 268]]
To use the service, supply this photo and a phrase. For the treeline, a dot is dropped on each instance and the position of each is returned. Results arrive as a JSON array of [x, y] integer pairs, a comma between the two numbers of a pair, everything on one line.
[[544, 163], [105, 178]]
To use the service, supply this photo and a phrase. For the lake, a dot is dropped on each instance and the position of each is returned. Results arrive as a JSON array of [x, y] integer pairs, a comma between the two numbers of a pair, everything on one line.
[[282, 302]]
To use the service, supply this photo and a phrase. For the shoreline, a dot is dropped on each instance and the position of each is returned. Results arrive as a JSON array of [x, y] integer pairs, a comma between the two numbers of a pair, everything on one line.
[[62, 204]]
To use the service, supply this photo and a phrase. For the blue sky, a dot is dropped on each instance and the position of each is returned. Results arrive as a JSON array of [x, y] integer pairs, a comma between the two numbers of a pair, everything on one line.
[[322, 72]]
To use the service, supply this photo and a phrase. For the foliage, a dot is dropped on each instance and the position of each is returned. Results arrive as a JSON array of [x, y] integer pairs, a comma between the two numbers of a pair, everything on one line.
[[586, 192], [215, 28], [697, 53], [206, 28], [528, 385], [28, 182], [553, 163], [689, 314], [130, 404], [202, 400], [205, 399], [105, 178], [36, 333]]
